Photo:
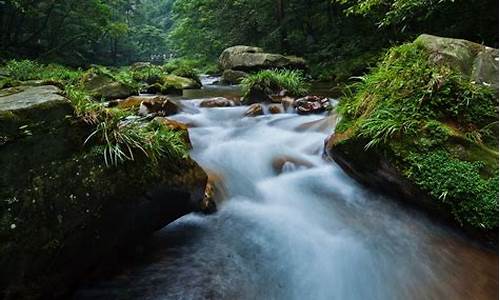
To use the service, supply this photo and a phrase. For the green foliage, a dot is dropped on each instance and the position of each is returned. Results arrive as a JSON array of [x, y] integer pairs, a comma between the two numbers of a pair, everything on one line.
[[22, 69], [30, 70], [183, 67], [472, 199], [406, 91], [121, 140], [393, 11], [276, 80], [91, 31]]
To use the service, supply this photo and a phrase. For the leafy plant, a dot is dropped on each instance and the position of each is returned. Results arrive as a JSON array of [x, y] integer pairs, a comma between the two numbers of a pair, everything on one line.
[[271, 81], [121, 140]]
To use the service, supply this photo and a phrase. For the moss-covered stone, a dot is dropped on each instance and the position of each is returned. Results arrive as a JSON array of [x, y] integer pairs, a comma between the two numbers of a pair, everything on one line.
[[62, 209], [423, 125], [102, 85]]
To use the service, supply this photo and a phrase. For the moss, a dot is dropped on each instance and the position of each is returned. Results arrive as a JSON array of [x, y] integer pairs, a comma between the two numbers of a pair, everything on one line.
[[435, 125]]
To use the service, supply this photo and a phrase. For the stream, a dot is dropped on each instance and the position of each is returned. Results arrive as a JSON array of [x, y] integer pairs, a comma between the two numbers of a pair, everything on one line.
[[292, 225]]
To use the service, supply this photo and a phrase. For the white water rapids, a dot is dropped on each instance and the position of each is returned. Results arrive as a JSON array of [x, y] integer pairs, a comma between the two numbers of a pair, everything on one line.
[[294, 226]]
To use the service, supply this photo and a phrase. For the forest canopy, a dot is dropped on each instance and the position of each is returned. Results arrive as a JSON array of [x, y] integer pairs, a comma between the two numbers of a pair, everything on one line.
[[120, 32]]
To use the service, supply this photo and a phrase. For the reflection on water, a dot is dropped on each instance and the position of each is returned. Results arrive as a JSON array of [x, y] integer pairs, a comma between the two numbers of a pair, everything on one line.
[[293, 226]]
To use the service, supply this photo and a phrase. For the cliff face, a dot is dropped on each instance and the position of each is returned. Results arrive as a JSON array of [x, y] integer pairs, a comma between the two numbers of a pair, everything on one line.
[[63, 210]]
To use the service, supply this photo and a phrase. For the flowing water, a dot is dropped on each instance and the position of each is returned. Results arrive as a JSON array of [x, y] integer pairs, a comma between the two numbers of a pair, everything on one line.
[[294, 226]]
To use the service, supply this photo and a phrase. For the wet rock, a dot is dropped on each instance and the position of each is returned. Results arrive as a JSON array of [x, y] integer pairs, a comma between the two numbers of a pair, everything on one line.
[[180, 83], [208, 205], [275, 109], [233, 76], [158, 106], [311, 104], [217, 102], [52, 221], [245, 58], [254, 110], [172, 85], [281, 163], [176, 126]]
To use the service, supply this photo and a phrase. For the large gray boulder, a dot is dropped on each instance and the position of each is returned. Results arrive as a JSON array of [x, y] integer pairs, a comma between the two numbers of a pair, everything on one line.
[[245, 58], [477, 61]]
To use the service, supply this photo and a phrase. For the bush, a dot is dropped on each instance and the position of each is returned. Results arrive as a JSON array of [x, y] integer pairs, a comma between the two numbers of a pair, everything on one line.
[[30, 70], [273, 81]]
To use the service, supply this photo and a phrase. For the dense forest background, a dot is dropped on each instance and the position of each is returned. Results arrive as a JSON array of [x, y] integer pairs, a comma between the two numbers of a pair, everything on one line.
[[334, 35]]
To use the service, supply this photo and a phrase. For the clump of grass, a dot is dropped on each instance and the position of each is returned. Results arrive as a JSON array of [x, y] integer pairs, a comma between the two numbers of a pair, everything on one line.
[[120, 141], [273, 81]]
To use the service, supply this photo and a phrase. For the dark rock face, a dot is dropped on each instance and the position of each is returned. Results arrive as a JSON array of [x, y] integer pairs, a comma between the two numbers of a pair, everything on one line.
[[245, 58], [64, 210]]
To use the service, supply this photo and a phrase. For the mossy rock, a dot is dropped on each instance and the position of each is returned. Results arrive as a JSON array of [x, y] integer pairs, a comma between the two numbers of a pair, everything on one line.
[[246, 58], [180, 83], [62, 209], [102, 85], [423, 126]]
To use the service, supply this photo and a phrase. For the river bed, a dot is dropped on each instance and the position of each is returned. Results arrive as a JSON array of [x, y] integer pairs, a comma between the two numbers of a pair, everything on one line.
[[291, 225]]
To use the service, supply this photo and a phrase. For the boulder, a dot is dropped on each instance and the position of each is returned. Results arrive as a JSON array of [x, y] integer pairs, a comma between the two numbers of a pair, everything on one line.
[[63, 210], [245, 58], [477, 61], [233, 76], [217, 102], [158, 106], [180, 83], [254, 110], [172, 84], [393, 164], [103, 86]]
